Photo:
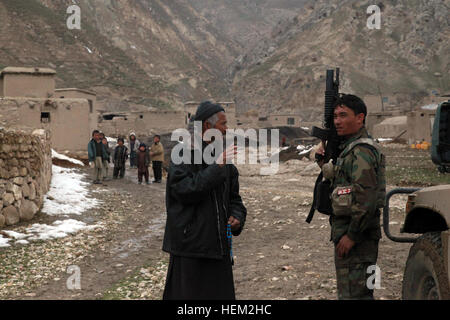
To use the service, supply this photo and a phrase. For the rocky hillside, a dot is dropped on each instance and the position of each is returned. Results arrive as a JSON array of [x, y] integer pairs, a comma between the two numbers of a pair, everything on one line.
[[248, 22], [139, 53], [133, 52], [410, 54], [266, 54]]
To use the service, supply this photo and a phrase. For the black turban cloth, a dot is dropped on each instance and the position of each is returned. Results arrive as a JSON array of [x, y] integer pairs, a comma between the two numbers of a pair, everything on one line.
[[207, 109]]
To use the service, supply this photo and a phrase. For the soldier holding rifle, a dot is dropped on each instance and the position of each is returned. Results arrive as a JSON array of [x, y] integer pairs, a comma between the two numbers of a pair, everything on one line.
[[351, 189]]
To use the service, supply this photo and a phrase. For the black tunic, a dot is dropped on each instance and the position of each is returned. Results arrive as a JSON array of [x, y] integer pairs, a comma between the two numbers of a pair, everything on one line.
[[199, 279], [192, 278]]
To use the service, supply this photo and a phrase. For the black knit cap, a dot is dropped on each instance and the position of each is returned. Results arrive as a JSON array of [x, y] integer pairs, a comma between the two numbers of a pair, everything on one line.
[[206, 109], [353, 102]]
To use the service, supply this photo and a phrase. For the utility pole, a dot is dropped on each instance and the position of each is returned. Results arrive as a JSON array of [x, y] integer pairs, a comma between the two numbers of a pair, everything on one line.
[[381, 97]]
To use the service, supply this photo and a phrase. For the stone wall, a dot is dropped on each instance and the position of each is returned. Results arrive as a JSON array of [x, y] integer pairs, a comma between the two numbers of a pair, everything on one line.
[[25, 173]]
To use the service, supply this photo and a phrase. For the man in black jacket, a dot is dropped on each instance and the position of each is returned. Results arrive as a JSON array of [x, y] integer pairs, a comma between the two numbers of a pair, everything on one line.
[[202, 201]]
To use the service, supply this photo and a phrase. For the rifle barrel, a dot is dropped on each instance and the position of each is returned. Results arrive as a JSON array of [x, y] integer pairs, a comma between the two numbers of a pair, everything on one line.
[[330, 93]]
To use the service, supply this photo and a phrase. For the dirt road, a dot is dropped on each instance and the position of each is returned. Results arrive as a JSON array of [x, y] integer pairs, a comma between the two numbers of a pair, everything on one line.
[[278, 255]]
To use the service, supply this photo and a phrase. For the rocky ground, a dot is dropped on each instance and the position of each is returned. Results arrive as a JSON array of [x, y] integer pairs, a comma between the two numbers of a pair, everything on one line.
[[278, 255]]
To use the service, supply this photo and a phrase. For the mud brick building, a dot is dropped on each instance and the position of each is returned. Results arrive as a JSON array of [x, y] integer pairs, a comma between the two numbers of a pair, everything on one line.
[[28, 99]]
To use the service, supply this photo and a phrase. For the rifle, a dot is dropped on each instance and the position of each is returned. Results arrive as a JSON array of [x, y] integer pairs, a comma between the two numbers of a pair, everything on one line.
[[331, 142]]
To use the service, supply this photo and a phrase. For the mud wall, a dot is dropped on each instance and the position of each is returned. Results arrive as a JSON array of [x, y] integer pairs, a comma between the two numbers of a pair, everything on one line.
[[143, 124], [66, 119]]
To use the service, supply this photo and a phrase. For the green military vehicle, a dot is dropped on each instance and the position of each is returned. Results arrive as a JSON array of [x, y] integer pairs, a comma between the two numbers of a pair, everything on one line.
[[427, 270]]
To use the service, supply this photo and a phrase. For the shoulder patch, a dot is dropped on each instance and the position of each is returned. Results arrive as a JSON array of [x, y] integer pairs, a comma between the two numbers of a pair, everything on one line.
[[342, 191]]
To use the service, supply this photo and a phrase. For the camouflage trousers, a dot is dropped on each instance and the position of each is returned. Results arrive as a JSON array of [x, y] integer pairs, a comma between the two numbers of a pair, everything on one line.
[[351, 271]]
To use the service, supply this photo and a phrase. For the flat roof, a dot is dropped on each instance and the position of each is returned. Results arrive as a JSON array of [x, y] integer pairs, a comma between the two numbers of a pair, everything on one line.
[[20, 70], [76, 89], [130, 113], [218, 102]]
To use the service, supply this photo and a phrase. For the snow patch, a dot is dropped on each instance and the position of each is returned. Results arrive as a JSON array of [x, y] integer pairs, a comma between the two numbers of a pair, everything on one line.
[[304, 149], [4, 242], [59, 156], [68, 193], [15, 235], [58, 229]]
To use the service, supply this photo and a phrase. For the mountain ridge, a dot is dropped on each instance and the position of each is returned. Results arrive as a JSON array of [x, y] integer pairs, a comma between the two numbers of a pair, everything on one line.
[[266, 55]]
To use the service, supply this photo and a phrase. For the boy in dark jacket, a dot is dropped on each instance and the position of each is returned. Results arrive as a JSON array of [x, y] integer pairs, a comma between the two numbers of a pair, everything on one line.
[[143, 160], [120, 156]]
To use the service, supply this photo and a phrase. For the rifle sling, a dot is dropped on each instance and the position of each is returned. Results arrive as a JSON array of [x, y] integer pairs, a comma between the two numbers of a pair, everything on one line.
[[313, 206]]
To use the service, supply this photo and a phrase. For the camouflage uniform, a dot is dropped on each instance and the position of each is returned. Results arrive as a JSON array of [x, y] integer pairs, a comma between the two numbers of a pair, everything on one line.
[[359, 190]]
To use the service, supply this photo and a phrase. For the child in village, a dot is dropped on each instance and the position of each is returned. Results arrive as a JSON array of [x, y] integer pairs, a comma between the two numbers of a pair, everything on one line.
[[96, 153], [157, 154], [143, 160], [120, 156], [106, 159]]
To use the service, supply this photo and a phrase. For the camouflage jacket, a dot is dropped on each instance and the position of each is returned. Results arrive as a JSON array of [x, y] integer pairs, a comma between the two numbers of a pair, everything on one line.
[[359, 189]]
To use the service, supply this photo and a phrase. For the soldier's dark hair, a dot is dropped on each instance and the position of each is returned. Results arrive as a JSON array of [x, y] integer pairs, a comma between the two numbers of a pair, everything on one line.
[[353, 102], [120, 139], [94, 132]]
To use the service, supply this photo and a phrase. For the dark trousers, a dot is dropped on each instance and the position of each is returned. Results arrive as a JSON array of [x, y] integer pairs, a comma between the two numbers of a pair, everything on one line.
[[199, 279], [142, 173], [119, 171], [133, 159], [157, 170]]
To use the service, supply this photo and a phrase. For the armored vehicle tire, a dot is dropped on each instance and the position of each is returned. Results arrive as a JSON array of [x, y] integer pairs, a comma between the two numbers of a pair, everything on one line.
[[425, 277]]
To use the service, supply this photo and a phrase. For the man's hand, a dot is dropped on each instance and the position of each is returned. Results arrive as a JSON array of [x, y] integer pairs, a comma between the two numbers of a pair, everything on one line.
[[234, 223], [92, 165], [344, 246], [229, 153], [321, 151]]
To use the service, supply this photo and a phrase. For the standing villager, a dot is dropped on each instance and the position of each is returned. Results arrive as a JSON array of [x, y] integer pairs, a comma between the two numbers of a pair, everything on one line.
[[359, 188], [134, 146], [107, 160], [201, 200], [119, 158], [143, 161], [157, 156], [96, 153]]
